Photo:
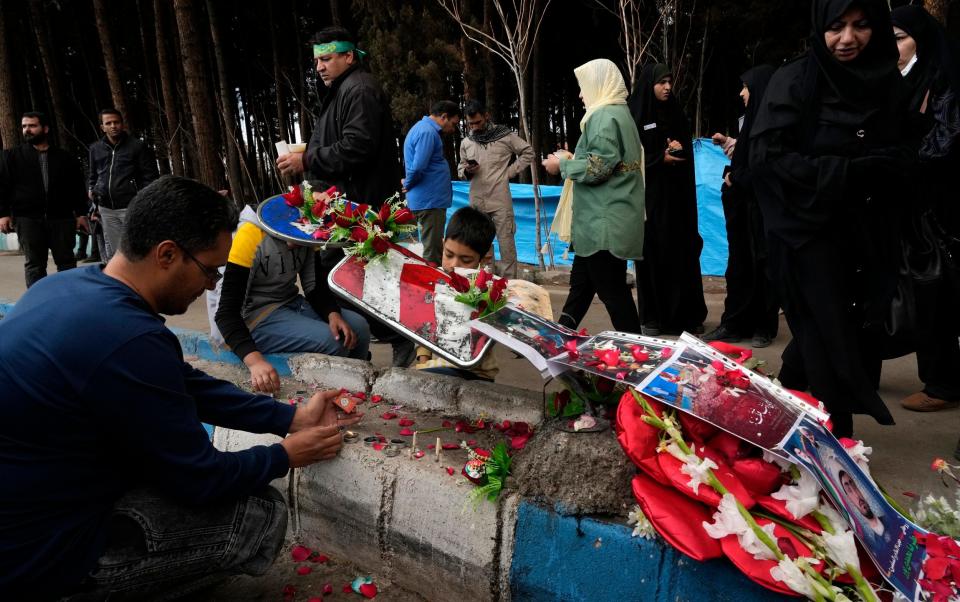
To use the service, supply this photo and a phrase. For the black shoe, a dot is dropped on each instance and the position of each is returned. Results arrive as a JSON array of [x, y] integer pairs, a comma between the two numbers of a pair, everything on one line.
[[698, 329], [760, 341], [722, 333], [651, 329], [404, 352]]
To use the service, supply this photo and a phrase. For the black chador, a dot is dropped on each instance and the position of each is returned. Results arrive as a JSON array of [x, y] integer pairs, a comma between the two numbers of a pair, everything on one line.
[[828, 160]]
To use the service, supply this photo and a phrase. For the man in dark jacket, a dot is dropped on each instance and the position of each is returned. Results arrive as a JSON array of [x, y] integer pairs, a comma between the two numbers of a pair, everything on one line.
[[120, 165], [353, 146], [41, 197]]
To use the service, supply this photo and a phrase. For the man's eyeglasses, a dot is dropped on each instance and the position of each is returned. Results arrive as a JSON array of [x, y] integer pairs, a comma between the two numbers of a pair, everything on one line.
[[212, 274]]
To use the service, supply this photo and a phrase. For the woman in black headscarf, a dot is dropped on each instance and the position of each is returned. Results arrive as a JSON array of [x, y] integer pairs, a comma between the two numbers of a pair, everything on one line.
[[750, 308], [930, 68], [670, 287], [828, 155]]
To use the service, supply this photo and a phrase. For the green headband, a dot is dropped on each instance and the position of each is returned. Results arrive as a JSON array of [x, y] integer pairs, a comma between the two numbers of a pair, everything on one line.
[[331, 47]]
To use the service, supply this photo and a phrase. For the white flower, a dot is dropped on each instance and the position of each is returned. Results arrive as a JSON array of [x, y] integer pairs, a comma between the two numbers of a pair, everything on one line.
[[836, 521], [802, 498], [775, 459], [728, 521], [585, 421], [841, 549], [858, 453], [643, 526], [697, 470], [791, 575]]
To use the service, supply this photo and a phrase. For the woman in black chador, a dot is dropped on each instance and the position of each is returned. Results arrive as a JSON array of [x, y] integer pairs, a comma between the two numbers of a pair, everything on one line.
[[670, 288], [828, 158], [931, 69], [751, 308]]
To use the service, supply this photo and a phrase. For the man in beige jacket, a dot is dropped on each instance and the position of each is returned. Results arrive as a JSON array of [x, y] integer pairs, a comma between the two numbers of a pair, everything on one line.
[[490, 155]]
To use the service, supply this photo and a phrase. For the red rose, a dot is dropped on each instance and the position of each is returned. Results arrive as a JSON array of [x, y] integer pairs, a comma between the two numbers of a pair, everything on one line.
[[380, 244], [318, 209], [496, 291], [360, 211], [384, 214], [343, 221], [359, 234], [459, 283], [483, 279], [404, 216], [294, 198]]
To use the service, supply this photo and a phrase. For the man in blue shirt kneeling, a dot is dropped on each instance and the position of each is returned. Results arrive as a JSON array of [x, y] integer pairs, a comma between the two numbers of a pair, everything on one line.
[[110, 485]]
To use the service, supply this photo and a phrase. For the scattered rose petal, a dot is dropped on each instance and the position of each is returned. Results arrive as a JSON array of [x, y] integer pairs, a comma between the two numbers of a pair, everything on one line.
[[388, 415], [320, 558], [406, 422], [520, 441], [446, 424], [376, 398], [378, 446], [289, 592], [327, 589], [347, 589], [432, 446], [304, 570], [360, 395], [300, 553], [449, 446], [450, 470], [315, 599], [584, 422], [368, 590], [472, 442], [419, 454]]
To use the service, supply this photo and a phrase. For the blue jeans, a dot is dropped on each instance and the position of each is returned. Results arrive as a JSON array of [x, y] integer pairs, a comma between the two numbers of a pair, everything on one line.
[[158, 549], [296, 328]]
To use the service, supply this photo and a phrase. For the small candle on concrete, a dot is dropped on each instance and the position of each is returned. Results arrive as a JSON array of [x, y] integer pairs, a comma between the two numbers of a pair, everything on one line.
[[413, 444], [437, 450]]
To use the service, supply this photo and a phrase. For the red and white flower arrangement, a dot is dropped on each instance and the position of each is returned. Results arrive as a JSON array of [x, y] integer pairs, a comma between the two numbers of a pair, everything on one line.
[[484, 292]]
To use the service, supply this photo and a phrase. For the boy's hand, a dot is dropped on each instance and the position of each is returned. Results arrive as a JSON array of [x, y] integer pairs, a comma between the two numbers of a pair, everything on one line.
[[321, 410], [262, 374], [338, 327]]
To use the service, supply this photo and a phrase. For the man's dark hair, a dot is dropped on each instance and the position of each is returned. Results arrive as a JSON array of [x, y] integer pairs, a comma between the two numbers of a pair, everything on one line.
[[472, 227], [41, 117], [445, 107], [179, 209], [110, 111], [474, 107], [336, 34]]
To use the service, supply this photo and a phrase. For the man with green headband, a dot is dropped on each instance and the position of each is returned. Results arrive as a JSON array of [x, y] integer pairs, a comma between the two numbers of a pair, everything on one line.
[[353, 146]]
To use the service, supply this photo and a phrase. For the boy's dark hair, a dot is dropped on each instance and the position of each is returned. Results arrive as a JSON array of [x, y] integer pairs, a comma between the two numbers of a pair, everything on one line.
[[41, 117], [473, 228], [185, 211], [110, 111], [336, 34], [445, 107], [474, 107]]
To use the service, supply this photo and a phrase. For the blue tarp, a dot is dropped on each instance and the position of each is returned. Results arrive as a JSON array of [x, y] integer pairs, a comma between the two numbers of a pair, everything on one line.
[[709, 162]]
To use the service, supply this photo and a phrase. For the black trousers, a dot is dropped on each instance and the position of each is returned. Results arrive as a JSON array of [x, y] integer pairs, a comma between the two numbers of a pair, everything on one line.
[[938, 351], [37, 236], [604, 275], [751, 306]]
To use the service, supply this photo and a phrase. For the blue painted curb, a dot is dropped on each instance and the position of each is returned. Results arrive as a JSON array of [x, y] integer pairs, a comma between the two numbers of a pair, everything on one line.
[[194, 342], [559, 558]]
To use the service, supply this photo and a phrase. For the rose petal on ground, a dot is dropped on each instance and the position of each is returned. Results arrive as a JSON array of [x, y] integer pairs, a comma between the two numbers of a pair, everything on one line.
[[378, 446], [369, 590], [406, 432], [320, 558], [300, 553], [446, 424], [360, 395], [432, 446], [347, 589], [520, 441], [376, 398], [304, 570], [327, 589], [450, 470], [388, 415], [419, 454], [472, 442], [406, 422], [315, 599], [449, 446]]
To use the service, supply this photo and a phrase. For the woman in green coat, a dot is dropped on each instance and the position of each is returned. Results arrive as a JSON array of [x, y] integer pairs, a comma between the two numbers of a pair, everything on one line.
[[606, 180]]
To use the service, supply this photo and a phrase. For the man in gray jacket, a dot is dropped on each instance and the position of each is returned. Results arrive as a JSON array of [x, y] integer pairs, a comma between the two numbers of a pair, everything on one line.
[[490, 155]]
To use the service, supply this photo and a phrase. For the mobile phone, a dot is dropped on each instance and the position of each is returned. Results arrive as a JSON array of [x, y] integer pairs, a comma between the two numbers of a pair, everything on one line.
[[674, 151]]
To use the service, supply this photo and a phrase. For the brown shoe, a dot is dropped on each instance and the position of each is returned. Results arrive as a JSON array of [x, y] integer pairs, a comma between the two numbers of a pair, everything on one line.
[[921, 402]]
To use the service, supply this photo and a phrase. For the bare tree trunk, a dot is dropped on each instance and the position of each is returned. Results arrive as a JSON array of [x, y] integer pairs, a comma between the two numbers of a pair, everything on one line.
[[110, 61], [168, 87], [9, 130], [198, 92], [489, 70], [335, 13], [703, 53], [277, 76], [227, 106], [303, 118], [155, 136], [39, 22]]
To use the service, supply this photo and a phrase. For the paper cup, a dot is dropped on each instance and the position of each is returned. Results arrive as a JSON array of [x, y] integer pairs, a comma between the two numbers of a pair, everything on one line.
[[299, 147]]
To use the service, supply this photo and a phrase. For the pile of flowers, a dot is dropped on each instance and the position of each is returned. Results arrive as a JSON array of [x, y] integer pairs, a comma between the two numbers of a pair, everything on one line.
[[330, 217], [488, 470], [710, 494], [484, 292]]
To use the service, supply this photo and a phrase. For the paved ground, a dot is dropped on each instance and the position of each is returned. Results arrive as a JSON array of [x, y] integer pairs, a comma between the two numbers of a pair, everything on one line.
[[902, 453]]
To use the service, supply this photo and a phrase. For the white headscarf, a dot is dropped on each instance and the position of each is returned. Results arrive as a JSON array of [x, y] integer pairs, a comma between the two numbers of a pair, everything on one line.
[[600, 84]]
